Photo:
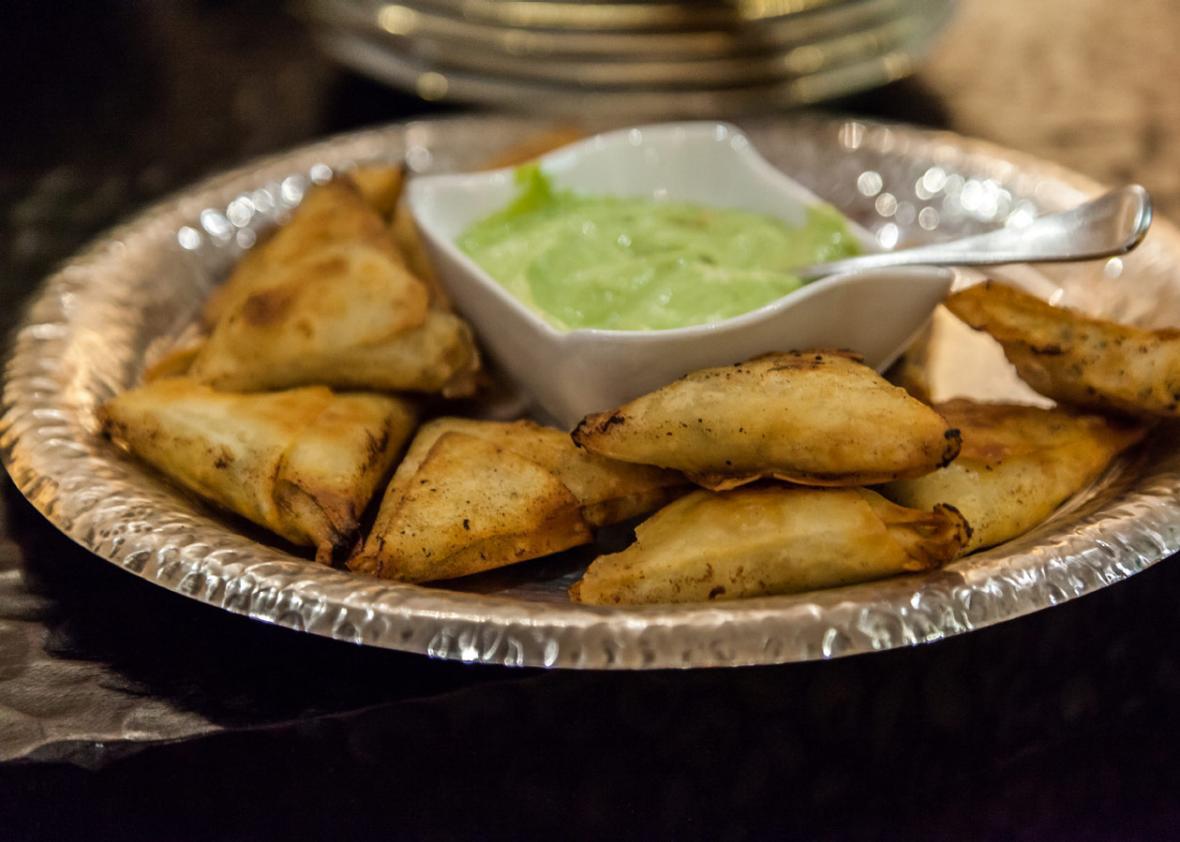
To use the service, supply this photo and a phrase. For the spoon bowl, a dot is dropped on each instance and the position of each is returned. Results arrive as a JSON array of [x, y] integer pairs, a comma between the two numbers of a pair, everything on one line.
[[1112, 224]]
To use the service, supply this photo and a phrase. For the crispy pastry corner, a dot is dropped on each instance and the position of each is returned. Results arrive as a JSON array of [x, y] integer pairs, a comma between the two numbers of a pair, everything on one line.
[[302, 463], [1075, 359], [1017, 465]]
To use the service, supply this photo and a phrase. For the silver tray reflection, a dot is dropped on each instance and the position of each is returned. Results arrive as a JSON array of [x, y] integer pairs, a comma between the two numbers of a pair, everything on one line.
[[87, 332]]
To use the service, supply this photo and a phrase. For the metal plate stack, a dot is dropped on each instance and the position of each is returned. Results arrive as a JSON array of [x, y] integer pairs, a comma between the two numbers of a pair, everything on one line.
[[642, 57]]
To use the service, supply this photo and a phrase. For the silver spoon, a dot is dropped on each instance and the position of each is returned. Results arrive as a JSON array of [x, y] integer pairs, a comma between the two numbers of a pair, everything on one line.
[[1114, 223]]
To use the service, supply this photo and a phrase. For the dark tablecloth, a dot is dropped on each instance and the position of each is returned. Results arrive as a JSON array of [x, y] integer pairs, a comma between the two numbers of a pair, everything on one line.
[[1059, 724]]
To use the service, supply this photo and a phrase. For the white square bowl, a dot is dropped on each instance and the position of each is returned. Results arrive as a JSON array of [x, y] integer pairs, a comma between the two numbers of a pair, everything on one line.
[[571, 373]]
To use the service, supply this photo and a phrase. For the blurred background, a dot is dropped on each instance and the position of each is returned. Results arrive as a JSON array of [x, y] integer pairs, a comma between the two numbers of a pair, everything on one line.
[[113, 102], [1062, 724]]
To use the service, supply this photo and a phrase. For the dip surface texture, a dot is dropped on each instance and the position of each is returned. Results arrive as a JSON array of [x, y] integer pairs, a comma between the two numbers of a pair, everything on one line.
[[641, 264]]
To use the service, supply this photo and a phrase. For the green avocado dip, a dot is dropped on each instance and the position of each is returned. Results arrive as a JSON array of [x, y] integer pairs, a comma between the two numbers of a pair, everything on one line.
[[640, 264]]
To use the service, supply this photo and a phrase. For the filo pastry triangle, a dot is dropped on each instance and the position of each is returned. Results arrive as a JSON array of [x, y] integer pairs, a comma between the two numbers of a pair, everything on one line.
[[302, 463], [607, 490], [1074, 359], [467, 506], [473, 495], [330, 214], [328, 299], [770, 539], [1017, 465], [349, 318], [810, 417]]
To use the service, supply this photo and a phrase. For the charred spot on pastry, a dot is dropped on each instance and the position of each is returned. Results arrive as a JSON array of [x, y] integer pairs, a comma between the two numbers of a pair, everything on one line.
[[268, 306], [954, 443]]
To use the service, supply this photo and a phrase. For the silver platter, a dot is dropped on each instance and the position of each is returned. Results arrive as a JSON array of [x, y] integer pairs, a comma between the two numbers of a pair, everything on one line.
[[88, 331]]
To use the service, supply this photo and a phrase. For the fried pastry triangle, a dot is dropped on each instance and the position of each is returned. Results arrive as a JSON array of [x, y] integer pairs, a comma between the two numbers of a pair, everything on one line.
[[302, 463], [1017, 464], [609, 491], [811, 417], [770, 539], [348, 318], [466, 507], [330, 214], [1075, 359]]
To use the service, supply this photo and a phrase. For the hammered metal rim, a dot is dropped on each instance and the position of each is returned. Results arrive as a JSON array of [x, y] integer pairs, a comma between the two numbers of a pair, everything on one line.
[[50, 445]]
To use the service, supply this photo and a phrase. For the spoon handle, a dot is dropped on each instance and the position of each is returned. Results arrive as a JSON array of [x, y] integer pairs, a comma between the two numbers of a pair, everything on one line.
[[1112, 224]]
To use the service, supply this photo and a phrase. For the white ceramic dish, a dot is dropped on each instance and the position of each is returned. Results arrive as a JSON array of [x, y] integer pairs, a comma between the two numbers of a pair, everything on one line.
[[572, 373]]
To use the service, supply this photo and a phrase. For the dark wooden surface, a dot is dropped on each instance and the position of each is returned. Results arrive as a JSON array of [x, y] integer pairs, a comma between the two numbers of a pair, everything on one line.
[[1059, 725]]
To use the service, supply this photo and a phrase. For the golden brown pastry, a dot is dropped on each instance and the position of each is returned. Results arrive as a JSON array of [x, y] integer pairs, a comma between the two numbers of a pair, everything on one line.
[[1017, 464], [302, 463], [1075, 359], [466, 507], [347, 317], [770, 540], [413, 252], [330, 214], [810, 417], [608, 491], [380, 185]]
